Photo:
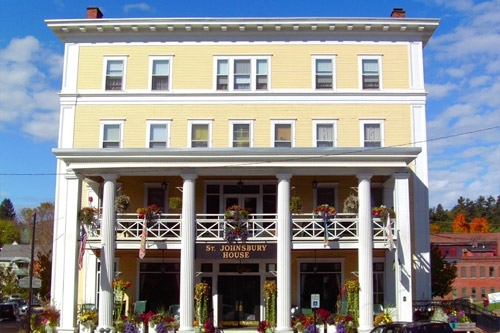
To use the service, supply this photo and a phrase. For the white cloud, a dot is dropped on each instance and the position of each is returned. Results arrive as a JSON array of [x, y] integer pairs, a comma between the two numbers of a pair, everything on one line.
[[29, 75], [440, 90], [139, 6]]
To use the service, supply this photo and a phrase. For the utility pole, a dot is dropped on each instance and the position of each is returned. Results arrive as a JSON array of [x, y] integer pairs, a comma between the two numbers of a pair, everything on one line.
[[32, 260]]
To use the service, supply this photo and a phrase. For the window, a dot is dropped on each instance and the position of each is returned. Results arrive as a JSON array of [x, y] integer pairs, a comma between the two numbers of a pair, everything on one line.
[[473, 272], [482, 271], [160, 73], [326, 193], [370, 77], [241, 134], [111, 134], [473, 293], [158, 134], [242, 73], [492, 272], [115, 73], [283, 134], [200, 134], [325, 133], [464, 292], [463, 272], [372, 133], [323, 69]]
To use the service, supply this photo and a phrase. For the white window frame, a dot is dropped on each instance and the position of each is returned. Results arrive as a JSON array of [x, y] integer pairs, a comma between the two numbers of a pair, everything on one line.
[[123, 59], [280, 122], [170, 60], [240, 122], [314, 59], [253, 72], [200, 122], [334, 186], [380, 71], [149, 123], [364, 122], [332, 122], [103, 123]]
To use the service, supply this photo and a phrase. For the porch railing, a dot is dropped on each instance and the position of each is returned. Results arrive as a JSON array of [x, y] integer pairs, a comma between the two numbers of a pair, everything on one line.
[[260, 227]]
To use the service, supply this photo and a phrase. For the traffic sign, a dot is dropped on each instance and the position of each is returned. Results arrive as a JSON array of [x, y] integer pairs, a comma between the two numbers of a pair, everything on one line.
[[314, 301], [25, 282]]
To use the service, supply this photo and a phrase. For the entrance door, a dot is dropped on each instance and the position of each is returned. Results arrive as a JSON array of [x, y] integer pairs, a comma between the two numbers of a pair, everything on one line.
[[240, 301], [245, 201]]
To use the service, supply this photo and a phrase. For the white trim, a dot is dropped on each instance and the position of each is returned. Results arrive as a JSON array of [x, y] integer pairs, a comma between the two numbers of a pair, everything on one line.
[[249, 122], [199, 122], [282, 121], [103, 123], [333, 59], [362, 57], [316, 122], [170, 60], [363, 122], [106, 59], [158, 122]]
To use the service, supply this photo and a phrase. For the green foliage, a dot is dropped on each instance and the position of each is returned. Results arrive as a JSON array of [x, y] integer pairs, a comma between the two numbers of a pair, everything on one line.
[[9, 232], [8, 282], [443, 274], [7, 211], [43, 272]]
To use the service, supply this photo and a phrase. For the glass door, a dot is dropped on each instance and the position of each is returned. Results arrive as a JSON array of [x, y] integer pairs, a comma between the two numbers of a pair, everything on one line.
[[240, 300]]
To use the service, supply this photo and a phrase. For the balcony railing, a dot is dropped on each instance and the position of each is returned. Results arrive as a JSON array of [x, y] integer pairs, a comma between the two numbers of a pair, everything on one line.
[[260, 227]]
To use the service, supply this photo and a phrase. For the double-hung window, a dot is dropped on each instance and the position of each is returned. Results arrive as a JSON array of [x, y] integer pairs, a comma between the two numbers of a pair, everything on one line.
[[370, 68], [241, 133], [114, 73], [111, 134], [160, 73], [372, 133], [158, 134], [242, 73], [200, 133], [283, 133], [325, 133], [324, 72]]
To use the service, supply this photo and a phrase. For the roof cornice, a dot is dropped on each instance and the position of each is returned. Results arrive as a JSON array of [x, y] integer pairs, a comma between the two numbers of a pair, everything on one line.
[[74, 27]]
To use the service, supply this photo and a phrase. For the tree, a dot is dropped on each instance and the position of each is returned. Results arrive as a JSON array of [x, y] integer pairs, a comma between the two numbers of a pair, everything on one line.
[[9, 232], [443, 274], [8, 282], [44, 225], [7, 211], [460, 224], [43, 270], [479, 225]]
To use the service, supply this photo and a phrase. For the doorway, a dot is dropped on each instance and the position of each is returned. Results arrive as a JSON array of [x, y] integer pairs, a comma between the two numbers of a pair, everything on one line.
[[239, 300]]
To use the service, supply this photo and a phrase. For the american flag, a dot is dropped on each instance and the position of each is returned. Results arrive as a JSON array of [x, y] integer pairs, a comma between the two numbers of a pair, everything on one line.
[[83, 244], [142, 249]]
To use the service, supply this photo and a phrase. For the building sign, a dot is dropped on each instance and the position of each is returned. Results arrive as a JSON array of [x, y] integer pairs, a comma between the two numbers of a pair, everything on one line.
[[236, 251]]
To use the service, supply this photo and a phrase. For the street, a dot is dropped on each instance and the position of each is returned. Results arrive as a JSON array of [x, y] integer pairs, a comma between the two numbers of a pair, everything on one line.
[[10, 326]]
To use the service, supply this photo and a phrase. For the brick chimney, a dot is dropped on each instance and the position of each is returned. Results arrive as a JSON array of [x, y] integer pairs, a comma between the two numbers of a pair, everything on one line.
[[398, 13], [94, 13]]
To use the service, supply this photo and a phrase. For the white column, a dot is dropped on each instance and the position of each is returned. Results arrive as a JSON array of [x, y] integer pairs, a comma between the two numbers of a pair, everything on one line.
[[188, 240], [365, 254], [106, 295], [284, 255], [68, 270], [390, 272], [404, 255]]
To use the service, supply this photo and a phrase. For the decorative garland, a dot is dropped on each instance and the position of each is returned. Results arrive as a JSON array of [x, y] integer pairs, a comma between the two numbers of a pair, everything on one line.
[[270, 291], [352, 289]]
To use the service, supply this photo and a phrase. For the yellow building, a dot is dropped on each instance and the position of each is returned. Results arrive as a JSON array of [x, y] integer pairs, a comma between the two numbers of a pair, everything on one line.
[[252, 112]]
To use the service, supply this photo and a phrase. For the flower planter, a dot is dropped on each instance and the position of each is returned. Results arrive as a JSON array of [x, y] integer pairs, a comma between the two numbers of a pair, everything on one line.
[[86, 328], [331, 329], [453, 325]]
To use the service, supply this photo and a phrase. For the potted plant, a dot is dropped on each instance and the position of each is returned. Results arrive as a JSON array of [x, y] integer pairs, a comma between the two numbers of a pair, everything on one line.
[[201, 296], [175, 204], [324, 210], [122, 203], [50, 318], [236, 216], [270, 291], [351, 204], [88, 215], [120, 287], [88, 321], [149, 213], [383, 212], [295, 205]]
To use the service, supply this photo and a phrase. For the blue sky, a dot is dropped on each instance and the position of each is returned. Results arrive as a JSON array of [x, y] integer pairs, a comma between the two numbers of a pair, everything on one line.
[[462, 71]]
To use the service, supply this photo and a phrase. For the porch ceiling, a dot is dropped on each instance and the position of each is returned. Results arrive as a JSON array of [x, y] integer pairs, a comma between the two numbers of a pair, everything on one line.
[[237, 161]]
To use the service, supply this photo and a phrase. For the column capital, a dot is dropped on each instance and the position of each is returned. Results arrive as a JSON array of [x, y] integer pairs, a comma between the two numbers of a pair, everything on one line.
[[189, 176], [284, 175], [401, 175], [109, 177], [70, 174], [364, 176]]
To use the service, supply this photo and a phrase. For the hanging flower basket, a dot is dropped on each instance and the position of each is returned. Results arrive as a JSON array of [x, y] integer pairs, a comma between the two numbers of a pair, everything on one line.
[[149, 213], [383, 212], [351, 204], [236, 216], [88, 215], [122, 203], [325, 210]]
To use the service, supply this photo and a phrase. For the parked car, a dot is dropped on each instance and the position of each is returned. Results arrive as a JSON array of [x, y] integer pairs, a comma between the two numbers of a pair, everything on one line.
[[23, 309], [9, 311], [414, 327]]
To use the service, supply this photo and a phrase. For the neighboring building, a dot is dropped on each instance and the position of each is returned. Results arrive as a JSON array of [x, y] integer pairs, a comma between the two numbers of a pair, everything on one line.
[[478, 263], [246, 111]]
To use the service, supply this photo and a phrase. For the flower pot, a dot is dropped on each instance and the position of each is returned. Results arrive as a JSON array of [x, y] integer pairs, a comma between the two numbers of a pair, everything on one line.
[[331, 329], [453, 325], [86, 328], [152, 328], [320, 328]]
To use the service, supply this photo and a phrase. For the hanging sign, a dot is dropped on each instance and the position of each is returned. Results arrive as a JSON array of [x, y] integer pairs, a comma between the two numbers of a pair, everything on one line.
[[236, 251]]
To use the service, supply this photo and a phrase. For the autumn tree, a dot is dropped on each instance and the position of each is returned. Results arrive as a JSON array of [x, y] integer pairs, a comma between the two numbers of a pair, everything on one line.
[[44, 225], [479, 225], [9, 284], [443, 274], [460, 224], [43, 272]]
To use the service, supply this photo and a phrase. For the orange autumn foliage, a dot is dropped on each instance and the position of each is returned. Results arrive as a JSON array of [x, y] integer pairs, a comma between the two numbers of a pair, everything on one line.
[[460, 224], [480, 225]]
